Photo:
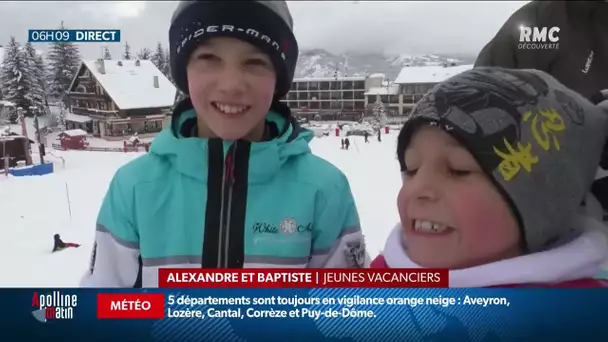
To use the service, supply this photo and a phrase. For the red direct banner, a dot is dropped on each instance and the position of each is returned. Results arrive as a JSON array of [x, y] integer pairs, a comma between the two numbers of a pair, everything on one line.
[[130, 305], [309, 278]]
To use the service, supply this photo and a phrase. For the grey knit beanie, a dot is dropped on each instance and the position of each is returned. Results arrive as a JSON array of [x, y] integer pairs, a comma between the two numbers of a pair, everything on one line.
[[539, 142]]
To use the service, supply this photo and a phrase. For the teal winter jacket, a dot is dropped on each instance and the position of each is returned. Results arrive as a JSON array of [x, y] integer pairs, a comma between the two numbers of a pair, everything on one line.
[[193, 202]]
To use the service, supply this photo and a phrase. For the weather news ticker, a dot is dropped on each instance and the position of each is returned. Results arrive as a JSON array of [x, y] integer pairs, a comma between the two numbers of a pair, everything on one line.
[[73, 36], [278, 304], [218, 302]]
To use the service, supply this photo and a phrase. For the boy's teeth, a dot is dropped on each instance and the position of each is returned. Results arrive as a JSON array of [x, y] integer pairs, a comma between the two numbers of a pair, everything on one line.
[[429, 226], [229, 109]]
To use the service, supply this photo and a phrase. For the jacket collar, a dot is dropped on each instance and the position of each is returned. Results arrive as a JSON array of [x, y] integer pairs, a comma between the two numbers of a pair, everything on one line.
[[189, 155], [578, 259]]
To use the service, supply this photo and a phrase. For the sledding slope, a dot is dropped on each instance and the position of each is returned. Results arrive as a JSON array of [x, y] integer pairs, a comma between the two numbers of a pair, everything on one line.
[[32, 209]]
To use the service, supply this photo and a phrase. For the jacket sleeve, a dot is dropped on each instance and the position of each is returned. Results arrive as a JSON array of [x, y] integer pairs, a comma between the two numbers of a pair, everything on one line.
[[115, 256], [379, 262], [503, 50], [338, 241]]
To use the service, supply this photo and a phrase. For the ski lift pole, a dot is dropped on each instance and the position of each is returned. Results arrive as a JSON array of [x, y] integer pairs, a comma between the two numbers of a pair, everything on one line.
[[37, 127], [5, 157], [356, 146], [67, 192]]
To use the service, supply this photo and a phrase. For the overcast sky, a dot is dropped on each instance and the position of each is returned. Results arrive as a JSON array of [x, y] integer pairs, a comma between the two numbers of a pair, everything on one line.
[[341, 26]]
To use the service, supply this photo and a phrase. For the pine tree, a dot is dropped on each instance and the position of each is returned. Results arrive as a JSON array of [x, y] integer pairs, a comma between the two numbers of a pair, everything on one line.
[[15, 75], [41, 72], [127, 54], [64, 60], [106, 54], [36, 76], [144, 54], [167, 67], [61, 115], [158, 58], [380, 113]]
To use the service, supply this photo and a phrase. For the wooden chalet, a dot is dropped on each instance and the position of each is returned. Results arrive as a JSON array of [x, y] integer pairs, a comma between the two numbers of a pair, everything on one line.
[[114, 99]]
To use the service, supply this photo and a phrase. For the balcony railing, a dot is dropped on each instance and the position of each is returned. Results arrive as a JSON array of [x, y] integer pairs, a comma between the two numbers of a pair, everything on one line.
[[75, 94], [93, 111]]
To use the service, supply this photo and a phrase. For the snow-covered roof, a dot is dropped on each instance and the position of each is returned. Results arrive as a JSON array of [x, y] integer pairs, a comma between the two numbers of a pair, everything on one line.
[[377, 75], [329, 79], [132, 86], [8, 135], [429, 74], [7, 103], [76, 117], [75, 133], [392, 89]]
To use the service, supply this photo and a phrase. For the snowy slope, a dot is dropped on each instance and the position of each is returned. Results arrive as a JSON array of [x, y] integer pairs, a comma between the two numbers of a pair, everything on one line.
[[34, 208]]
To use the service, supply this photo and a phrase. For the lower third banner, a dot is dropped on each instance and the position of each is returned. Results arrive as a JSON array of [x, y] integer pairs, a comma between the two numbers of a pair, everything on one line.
[[356, 314]]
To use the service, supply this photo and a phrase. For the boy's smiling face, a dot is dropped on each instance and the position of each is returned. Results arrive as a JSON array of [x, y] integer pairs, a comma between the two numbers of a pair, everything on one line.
[[231, 85], [452, 215]]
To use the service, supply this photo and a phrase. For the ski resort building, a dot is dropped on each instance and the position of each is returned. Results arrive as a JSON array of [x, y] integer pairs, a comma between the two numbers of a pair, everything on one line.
[[339, 98], [379, 88], [414, 81], [328, 97], [113, 99]]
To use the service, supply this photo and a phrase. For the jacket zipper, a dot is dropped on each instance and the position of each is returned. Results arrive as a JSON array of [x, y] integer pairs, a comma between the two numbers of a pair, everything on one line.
[[226, 208]]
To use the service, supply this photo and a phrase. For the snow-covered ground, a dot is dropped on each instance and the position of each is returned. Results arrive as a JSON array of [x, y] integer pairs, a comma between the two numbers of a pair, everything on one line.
[[99, 142], [34, 208]]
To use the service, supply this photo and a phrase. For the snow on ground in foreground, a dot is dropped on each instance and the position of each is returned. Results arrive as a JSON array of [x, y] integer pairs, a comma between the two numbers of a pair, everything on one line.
[[32, 209]]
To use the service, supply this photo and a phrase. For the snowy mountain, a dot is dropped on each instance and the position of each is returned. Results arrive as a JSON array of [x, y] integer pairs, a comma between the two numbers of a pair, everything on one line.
[[320, 63]]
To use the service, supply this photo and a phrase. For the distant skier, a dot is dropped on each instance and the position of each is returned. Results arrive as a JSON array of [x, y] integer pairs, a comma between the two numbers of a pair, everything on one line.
[[366, 136], [342, 144], [379, 135], [59, 245], [346, 143]]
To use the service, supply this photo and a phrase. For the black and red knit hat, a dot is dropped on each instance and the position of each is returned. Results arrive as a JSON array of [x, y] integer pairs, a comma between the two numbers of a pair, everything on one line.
[[266, 24]]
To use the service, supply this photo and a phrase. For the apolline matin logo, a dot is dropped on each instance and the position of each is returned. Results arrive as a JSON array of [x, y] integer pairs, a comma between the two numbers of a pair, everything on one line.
[[54, 306]]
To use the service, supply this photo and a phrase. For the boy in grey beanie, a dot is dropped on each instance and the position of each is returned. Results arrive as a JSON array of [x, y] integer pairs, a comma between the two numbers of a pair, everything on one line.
[[495, 164]]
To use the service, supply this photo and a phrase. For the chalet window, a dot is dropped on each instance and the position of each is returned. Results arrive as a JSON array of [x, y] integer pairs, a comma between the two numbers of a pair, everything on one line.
[[102, 105], [81, 89], [420, 89]]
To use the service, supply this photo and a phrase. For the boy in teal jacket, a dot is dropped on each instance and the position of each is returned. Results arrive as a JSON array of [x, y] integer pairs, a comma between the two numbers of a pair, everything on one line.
[[233, 183]]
